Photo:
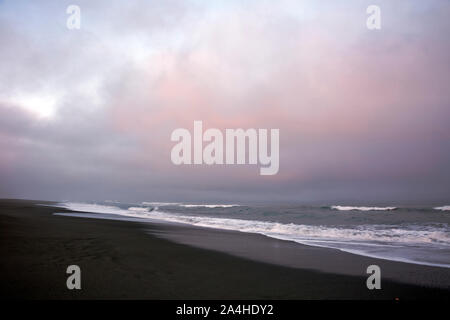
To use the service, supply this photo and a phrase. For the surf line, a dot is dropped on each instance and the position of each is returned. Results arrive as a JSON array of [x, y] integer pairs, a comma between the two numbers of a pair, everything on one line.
[[235, 139]]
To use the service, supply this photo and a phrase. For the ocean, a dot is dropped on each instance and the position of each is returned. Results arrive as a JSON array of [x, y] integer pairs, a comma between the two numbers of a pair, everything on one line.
[[419, 235]]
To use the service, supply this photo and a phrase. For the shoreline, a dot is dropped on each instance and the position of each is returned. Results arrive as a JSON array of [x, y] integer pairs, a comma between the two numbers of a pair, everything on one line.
[[286, 253], [121, 260]]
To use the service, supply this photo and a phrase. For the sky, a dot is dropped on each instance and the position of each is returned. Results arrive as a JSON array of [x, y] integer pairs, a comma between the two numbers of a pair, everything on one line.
[[87, 114]]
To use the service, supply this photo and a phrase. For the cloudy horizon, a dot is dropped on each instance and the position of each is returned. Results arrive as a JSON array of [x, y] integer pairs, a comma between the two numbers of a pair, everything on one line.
[[87, 114]]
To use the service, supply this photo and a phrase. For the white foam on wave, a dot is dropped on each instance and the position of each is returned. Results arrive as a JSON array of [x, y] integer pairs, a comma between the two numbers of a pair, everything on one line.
[[91, 207], [179, 204], [352, 208], [208, 205], [138, 209], [106, 209], [160, 204], [443, 208]]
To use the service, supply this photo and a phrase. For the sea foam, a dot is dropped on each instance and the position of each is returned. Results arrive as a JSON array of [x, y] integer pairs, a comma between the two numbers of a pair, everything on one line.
[[351, 208], [443, 208]]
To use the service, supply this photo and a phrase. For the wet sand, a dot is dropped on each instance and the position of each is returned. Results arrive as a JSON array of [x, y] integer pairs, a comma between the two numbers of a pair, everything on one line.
[[127, 260]]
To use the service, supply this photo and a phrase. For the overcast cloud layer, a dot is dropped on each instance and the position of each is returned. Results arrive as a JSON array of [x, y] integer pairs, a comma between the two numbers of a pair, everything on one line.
[[363, 115]]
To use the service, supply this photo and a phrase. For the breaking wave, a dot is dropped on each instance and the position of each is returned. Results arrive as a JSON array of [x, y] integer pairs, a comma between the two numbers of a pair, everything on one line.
[[443, 208], [208, 205], [350, 208], [179, 204]]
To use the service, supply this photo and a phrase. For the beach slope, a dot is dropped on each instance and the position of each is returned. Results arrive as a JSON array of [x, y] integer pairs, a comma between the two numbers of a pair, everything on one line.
[[121, 260]]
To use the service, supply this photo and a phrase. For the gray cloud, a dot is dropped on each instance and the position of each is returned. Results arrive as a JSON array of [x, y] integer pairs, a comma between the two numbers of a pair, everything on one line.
[[363, 116]]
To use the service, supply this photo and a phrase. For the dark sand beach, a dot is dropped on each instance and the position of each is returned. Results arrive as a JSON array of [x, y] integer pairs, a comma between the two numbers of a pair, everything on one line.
[[127, 260]]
